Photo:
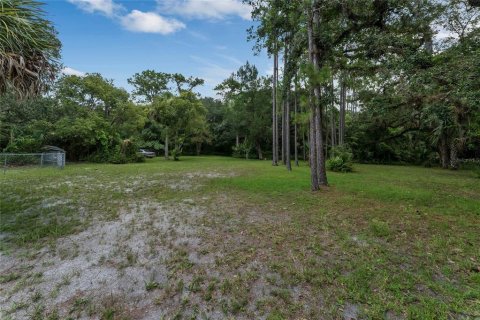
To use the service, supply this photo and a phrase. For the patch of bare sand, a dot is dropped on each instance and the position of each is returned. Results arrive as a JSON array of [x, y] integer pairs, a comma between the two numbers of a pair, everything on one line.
[[110, 259], [200, 258]]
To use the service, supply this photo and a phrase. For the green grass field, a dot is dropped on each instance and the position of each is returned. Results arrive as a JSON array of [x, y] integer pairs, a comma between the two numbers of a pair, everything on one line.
[[213, 237]]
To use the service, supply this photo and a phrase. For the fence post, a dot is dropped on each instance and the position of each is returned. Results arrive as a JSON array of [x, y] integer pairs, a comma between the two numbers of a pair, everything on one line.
[[41, 160], [5, 165]]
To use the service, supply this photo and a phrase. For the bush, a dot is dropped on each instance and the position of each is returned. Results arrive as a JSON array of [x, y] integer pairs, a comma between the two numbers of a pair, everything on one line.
[[337, 164], [243, 150], [126, 152], [24, 144], [341, 160]]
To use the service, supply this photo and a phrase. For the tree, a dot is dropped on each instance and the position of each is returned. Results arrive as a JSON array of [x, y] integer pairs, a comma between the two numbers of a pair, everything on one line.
[[249, 96], [180, 81], [29, 48], [182, 119], [377, 32], [220, 125], [149, 84], [91, 91], [24, 123], [274, 110]]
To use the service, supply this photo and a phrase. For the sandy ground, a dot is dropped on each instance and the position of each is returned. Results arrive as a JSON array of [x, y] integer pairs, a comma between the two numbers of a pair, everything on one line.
[[110, 263], [187, 259]]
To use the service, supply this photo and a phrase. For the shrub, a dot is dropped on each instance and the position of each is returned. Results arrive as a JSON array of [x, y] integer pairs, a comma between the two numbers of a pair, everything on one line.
[[338, 164], [24, 144], [126, 152], [243, 150], [341, 160]]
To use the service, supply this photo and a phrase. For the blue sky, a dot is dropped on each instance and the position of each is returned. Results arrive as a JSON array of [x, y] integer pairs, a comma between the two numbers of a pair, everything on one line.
[[202, 38]]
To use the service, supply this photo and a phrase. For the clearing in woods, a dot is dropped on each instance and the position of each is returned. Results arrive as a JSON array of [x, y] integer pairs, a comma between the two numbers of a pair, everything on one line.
[[215, 238]]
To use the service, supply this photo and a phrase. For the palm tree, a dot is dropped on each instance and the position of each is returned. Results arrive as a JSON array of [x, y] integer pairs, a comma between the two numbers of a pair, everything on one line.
[[29, 48]]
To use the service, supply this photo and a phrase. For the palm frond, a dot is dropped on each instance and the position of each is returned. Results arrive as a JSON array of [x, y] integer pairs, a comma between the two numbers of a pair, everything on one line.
[[29, 48]]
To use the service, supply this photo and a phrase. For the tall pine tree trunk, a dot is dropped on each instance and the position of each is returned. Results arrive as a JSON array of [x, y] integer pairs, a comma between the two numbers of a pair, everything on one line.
[[286, 79], [343, 96], [304, 149], [277, 136], [166, 147], [320, 154], [284, 140], [312, 158], [288, 162], [274, 110], [333, 130], [295, 128], [312, 125]]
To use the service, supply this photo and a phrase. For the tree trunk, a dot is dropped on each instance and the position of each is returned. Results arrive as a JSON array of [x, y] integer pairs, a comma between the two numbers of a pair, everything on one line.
[[321, 170], [295, 128], [198, 148], [237, 141], [428, 35], [312, 127], [343, 96], [333, 128], [333, 131], [166, 147], [444, 155], [286, 79], [274, 111], [453, 155], [283, 131], [318, 114], [287, 132], [259, 150], [312, 158], [277, 137], [176, 150], [304, 149]]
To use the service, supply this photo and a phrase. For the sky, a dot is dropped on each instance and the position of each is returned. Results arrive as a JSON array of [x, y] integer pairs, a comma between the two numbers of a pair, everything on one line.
[[201, 38]]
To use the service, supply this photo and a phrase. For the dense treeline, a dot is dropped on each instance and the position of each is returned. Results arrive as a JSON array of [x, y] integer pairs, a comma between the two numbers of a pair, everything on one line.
[[376, 77], [368, 80], [93, 120]]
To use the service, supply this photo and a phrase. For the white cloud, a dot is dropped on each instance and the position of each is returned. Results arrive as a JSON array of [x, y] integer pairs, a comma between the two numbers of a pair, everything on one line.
[[150, 22], [136, 20], [72, 72], [106, 7], [206, 9]]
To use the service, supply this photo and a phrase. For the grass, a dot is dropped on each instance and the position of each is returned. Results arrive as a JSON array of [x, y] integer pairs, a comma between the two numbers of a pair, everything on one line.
[[395, 241]]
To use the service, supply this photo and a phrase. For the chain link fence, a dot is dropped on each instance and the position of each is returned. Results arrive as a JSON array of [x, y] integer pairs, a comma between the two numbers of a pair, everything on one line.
[[44, 159]]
